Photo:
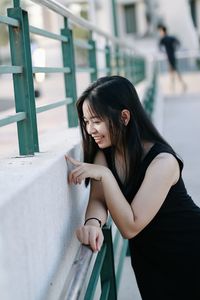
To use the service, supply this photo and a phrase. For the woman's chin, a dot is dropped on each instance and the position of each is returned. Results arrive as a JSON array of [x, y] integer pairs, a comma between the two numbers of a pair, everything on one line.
[[103, 145]]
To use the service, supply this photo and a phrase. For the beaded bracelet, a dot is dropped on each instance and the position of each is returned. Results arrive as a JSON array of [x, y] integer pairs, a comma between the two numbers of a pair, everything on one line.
[[93, 219]]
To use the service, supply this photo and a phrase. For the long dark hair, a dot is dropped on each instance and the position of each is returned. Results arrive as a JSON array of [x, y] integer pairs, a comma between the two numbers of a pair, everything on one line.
[[107, 97]]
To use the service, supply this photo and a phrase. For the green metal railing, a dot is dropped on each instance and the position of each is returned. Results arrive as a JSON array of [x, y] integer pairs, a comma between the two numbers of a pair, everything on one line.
[[120, 59], [106, 270], [150, 94]]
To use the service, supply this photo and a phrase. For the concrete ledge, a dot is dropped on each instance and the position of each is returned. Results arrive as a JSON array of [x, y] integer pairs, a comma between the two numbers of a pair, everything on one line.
[[38, 215]]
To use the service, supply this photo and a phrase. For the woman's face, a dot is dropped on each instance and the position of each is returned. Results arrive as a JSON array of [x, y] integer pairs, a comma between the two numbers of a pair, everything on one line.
[[96, 127]]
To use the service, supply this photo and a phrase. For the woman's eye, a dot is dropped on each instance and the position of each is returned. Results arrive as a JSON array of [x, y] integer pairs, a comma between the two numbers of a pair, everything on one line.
[[96, 121]]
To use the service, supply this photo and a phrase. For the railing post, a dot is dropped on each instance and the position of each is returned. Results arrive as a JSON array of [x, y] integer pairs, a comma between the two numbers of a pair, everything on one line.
[[69, 79], [92, 59], [132, 71], [117, 60], [126, 65], [23, 82], [108, 277], [108, 60]]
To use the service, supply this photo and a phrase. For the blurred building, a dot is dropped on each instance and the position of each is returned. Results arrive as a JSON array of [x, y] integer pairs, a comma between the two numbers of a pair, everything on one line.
[[139, 18], [136, 19], [195, 13]]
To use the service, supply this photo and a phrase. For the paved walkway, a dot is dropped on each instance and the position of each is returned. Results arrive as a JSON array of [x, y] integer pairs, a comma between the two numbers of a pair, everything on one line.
[[181, 128]]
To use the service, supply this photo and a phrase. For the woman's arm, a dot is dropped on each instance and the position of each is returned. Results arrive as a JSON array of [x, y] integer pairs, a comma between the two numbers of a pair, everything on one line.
[[162, 173], [96, 205], [91, 233]]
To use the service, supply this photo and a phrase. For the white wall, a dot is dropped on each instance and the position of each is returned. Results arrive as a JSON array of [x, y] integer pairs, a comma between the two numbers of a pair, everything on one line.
[[198, 16], [179, 22], [38, 215]]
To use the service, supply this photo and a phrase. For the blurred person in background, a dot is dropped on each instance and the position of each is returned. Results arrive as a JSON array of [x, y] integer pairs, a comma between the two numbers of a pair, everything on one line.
[[171, 44]]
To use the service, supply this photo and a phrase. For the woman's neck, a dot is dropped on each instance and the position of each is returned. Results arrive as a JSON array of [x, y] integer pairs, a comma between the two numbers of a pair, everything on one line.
[[146, 146]]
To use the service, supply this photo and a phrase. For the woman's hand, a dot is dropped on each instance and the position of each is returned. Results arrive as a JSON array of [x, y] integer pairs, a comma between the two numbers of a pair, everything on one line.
[[84, 170], [90, 235]]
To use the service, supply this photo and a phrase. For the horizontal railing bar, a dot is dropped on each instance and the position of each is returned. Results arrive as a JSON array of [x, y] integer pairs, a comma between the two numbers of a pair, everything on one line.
[[102, 50], [104, 70], [12, 119], [50, 70], [82, 44], [53, 105], [42, 32], [9, 21], [86, 69], [10, 69], [63, 11], [117, 68], [115, 55], [77, 274]]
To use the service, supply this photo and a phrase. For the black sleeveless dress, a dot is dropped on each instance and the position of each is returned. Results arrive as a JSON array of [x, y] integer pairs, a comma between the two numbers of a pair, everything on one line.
[[165, 255]]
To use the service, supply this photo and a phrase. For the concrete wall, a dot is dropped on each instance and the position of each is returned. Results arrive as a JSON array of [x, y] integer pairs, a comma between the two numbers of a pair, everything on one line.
[[38, 215]]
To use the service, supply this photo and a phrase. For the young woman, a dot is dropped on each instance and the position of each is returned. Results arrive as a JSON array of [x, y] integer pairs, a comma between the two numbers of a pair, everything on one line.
[[136, 177]]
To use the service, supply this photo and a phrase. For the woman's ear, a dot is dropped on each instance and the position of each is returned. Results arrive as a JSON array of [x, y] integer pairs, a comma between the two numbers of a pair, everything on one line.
[[125, 116]]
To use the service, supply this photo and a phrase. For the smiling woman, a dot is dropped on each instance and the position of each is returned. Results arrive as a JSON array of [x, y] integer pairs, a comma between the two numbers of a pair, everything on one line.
[[137, 177]]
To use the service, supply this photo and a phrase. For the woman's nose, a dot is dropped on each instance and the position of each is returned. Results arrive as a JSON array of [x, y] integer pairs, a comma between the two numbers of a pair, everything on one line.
[[91, 129]]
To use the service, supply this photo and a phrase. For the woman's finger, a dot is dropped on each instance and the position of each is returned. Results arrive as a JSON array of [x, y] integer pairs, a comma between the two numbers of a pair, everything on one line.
[[92, 239], [99, 240], [72, 160], [76, 177]]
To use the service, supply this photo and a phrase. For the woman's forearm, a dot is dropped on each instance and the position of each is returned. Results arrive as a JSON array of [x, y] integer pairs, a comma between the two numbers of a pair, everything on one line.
[[96, 209], [119, 208]]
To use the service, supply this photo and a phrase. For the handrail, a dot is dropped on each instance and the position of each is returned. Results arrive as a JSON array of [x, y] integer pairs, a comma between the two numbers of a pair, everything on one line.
[[107, 267], [77, 274], [65, 12]]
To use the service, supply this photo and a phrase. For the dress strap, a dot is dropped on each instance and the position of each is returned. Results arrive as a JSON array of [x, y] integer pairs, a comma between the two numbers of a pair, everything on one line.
[[158, 148]]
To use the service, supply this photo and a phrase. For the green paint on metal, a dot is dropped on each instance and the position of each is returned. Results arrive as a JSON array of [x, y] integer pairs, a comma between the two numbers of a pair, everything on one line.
[[10, 69], [12, 119], [150, 94], [51, 70], [108, 60], [121, 262], [91, 288], [16, 3], [116, 240], [108, 267], [69, 78], [114, 10], [54, 105], [23, 83], [92, 59], [82, 44], [47, 34], [85, 69], [9, 21], [117, 60], [105, 291]]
